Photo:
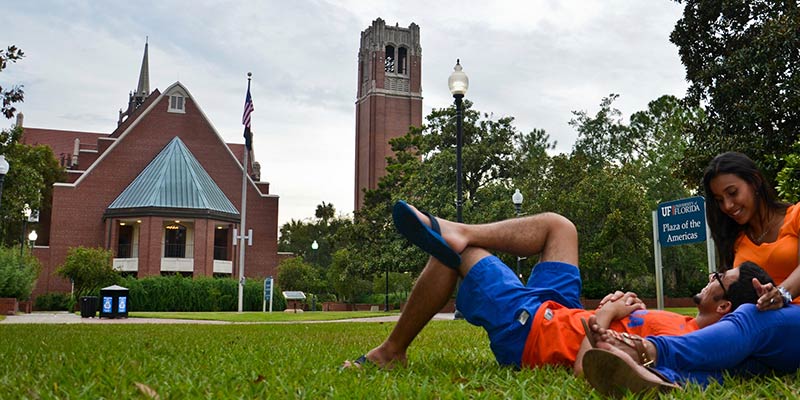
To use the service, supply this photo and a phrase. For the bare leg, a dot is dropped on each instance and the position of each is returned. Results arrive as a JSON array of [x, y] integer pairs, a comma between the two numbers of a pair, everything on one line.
[[433, 289], [550, 235]]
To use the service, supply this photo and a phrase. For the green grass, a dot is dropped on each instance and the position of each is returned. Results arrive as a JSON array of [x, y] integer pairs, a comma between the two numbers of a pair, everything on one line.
[[688, 311], [278, 316], [450, 359]]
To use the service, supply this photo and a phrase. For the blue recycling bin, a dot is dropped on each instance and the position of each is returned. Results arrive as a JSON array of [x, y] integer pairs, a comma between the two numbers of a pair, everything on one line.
[[114, 302]]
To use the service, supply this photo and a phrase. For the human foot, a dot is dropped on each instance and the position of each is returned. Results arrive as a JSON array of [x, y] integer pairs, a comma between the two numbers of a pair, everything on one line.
[[449, 230], [379, 358], [613, 372], [424, 231], [633, 345]]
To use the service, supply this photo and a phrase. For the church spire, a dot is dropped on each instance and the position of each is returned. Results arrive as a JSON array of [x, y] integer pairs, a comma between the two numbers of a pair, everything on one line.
[[137, 98], [144, 75]]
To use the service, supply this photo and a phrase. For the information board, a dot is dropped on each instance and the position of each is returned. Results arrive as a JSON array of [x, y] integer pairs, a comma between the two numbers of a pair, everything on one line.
[[682, 221]]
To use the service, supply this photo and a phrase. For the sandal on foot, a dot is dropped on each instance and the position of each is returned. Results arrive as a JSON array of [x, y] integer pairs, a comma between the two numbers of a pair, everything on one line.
[[359, 362], [614, 374], [429, 239], [588, 333], [635, 342]]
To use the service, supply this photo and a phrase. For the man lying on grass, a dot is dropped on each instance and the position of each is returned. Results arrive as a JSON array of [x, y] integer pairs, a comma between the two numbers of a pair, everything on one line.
[[528, 325], [744, 342]]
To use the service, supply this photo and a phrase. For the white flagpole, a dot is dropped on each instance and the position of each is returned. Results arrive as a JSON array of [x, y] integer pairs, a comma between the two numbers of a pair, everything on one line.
[[244, 218]]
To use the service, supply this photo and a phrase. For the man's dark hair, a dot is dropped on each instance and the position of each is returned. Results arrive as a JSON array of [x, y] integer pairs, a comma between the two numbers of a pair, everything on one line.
[[742, 291]]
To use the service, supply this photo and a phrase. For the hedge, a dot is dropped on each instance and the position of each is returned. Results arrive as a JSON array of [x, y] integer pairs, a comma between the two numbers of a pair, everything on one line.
[[178, 293]]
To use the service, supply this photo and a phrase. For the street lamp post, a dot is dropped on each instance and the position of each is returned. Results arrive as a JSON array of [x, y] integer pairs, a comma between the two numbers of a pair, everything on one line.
[[26, 213], [314, 248], [516, 198], [459, 83], [386, 298], [3, 171], [32, 239]]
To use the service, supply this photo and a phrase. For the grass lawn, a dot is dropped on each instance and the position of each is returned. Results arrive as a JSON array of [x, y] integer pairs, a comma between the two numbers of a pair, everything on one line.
[[450, 359], [278, 316]]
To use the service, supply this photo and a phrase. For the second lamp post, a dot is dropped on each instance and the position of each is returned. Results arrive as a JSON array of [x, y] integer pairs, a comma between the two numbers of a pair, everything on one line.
[[516, 198], [459, 83]]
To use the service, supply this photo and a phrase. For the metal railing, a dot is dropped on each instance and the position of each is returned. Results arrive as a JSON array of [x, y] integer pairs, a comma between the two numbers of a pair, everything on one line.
[[176, 250]]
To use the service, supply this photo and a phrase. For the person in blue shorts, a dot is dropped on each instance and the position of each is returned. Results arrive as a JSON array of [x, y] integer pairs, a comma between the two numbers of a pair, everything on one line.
[[491, 296]]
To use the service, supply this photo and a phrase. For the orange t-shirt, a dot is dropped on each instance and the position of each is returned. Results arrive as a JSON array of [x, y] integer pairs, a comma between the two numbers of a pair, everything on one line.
[[556, 332], [778, 258]]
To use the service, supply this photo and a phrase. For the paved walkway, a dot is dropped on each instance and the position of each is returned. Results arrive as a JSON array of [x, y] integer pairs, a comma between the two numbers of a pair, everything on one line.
[[71, 318]]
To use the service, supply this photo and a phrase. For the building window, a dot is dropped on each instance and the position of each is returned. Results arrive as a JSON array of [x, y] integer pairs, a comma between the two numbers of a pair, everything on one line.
[[389, 62], [175, 241], [125, 242], [402, 61], [221, 242], [176, 104]]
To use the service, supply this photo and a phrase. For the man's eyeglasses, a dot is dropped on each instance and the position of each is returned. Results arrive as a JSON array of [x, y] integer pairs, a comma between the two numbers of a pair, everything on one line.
[[718, 277]]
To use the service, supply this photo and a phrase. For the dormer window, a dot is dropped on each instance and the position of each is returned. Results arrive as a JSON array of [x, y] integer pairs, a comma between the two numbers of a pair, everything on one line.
[[176, 104]]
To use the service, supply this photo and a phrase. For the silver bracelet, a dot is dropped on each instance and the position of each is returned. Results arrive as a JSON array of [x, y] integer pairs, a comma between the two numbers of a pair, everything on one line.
[[787, 297]]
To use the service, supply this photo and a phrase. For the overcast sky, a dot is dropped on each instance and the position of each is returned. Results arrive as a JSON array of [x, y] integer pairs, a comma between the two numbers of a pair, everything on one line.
[[534, 60]]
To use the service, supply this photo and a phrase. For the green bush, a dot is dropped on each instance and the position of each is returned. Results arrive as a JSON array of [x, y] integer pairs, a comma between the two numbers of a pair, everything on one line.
[[55, 301], [177, 293], [17, 275], [89, 269]]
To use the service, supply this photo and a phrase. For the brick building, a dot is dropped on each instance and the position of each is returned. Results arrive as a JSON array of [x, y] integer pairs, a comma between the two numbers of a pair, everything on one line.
[[389, 98], [162, 191]]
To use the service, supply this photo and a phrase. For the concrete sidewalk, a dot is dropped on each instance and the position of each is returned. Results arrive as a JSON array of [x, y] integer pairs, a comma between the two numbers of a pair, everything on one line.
[[64, 317]]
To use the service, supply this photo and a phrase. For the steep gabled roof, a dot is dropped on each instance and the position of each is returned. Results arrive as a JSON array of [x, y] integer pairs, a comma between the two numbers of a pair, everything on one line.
[[174, 182]]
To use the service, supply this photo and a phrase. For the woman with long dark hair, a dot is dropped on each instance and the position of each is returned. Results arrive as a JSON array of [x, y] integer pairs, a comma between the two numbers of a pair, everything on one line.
[[749, 223]]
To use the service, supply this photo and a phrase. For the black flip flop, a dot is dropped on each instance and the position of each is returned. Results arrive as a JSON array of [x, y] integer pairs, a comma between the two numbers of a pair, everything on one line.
[[429, 239]]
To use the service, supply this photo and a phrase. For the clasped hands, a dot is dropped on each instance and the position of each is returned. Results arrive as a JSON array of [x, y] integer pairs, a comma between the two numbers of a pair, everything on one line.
[[618, 304]]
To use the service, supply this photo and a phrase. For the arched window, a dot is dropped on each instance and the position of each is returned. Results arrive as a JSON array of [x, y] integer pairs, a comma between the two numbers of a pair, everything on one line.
[[389, 63], [402, 60]]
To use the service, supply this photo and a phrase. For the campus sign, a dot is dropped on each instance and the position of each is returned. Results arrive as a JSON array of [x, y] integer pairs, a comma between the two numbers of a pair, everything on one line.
[[681, 221]]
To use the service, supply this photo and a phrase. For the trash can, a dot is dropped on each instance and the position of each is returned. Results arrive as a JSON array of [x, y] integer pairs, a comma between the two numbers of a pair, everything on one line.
[[114, 302], [88, 306]]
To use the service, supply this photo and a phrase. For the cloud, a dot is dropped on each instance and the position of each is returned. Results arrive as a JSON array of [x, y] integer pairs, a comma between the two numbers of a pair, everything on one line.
[[534, 60]]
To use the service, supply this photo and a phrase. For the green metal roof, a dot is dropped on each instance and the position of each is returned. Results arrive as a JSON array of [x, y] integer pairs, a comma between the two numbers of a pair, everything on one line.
[[174, 180]]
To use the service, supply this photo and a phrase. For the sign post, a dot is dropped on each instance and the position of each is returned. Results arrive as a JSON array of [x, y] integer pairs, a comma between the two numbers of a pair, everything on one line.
[[679, 222], [267, 294]]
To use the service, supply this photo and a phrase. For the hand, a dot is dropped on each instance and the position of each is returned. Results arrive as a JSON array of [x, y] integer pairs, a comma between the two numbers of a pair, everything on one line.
[[629, 298], [769, 296], [620, 308]]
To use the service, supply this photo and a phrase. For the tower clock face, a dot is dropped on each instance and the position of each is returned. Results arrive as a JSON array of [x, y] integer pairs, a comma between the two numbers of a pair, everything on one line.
[[389, 64]]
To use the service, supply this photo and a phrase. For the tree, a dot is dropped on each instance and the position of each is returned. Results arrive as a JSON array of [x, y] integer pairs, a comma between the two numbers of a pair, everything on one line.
[[616, 176], [423, 172], [742, 62], [295, 274], [298, 236], [325, 212], [346, 278], [33, 170], [89, 269], [18, 273], [15, 94]]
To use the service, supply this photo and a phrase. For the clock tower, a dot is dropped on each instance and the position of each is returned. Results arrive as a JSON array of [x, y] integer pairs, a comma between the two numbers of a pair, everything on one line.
[[389, 97]]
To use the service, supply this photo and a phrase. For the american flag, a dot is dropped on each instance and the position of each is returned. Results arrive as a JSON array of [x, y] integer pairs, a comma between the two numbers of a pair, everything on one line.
[[248, 109]]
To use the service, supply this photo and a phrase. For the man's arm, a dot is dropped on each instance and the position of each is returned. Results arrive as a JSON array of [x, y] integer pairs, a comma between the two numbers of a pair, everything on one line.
[[610, 311]]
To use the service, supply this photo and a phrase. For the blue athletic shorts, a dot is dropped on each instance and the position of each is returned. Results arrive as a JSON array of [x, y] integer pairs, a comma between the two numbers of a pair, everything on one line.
[[492, 297]]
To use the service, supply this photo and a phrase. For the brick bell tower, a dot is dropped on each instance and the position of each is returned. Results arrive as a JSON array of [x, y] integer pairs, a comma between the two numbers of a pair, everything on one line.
[[389, 97]]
